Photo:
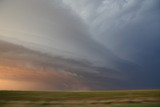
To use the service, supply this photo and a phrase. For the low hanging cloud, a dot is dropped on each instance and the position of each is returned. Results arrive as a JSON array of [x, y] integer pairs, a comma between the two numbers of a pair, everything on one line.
[[43, 26], [84, 37], [129, 28], [121, 23]]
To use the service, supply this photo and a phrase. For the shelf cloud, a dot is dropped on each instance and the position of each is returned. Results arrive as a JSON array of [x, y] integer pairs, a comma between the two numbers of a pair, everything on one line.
[[85, 41]]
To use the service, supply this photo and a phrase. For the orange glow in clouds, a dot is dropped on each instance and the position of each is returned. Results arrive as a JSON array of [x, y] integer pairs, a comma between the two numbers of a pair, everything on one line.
[[22, 78]]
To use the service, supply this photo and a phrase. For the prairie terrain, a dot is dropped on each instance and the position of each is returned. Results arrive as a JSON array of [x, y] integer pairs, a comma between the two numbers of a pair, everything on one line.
[[132, 98]]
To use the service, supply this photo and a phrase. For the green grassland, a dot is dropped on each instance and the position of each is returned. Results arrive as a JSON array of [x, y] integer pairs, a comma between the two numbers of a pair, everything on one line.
[[127, 98]]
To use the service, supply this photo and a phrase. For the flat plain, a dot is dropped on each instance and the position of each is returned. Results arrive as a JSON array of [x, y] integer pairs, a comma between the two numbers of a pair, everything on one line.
[[117, 98]]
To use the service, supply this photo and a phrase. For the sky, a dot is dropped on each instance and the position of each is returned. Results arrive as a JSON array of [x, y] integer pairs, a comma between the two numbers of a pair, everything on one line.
[[129, 28], [119, 35]]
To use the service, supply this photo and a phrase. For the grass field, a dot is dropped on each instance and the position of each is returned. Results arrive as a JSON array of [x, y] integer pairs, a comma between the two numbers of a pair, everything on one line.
[[132, 98]]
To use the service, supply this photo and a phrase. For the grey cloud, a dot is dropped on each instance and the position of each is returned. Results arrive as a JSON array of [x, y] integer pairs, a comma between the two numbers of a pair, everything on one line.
[[46, 25], [70, 31], [130, 28], [135, 20], [51, 29], [54, 72]]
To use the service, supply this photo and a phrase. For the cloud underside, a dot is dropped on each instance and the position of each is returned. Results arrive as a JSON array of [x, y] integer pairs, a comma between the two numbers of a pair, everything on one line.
[[24, 69], [79, 45]]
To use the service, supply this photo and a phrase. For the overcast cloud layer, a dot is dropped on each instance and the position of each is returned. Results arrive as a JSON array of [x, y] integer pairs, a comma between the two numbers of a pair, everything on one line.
[[130, 28], [127, 27], [121, 35]]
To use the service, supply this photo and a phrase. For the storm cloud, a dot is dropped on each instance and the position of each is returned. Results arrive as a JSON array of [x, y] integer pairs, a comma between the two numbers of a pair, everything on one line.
[[111, 37], [129, 28]]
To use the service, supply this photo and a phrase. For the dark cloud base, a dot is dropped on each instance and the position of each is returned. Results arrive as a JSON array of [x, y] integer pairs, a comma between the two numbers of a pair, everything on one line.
[[61, 45], [31, 70]]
